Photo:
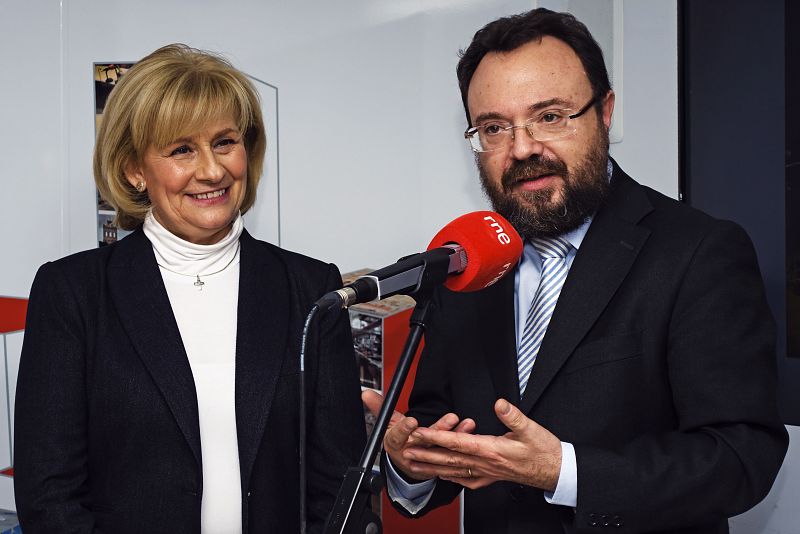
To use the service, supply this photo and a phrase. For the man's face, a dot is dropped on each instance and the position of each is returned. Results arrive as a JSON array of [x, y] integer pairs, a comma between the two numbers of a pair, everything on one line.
[[542, 188]]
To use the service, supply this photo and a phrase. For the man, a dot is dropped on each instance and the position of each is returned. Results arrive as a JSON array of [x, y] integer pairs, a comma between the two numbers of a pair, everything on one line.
[[624, 376]]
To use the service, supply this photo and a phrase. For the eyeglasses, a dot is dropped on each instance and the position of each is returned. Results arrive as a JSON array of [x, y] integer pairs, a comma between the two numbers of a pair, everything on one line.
[[548, 125]]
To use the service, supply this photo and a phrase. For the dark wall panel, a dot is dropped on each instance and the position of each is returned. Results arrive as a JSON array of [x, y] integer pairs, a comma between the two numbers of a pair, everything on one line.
[[793, 178], [733, 139]]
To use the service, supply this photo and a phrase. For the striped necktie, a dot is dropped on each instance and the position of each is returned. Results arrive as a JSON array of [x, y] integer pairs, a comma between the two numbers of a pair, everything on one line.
[[553, 252]]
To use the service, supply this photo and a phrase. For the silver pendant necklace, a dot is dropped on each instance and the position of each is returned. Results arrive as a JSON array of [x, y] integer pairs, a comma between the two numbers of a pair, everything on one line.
[[198, 283]]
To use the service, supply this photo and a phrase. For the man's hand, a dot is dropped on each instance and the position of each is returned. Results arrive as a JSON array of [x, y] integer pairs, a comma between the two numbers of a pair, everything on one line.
[[398, 437], [529, 454]]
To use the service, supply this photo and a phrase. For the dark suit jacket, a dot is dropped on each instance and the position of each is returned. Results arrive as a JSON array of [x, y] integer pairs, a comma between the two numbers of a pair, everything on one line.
[[658, 365], [107, 436]]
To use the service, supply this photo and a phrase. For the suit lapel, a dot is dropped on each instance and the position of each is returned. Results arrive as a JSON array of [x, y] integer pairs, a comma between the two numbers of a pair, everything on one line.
[[496, 312], [140, 298], [262, 333], [606, 255]]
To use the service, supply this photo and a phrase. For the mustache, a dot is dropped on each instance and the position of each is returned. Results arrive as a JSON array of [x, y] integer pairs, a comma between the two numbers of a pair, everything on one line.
[[532, 168]]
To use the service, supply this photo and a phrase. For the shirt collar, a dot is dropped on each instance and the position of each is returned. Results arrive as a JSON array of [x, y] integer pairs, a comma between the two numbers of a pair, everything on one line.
[[575, 237]]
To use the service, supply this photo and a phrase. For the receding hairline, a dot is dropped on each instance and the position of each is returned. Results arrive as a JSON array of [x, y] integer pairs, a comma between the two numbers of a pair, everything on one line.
[[551, 47], [513, 31]]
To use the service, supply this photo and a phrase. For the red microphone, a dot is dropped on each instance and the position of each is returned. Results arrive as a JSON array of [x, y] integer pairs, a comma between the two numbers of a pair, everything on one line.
[[479, 249], [491, 244]]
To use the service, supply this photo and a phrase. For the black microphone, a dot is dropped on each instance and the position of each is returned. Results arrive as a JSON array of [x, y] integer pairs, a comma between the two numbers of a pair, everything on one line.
[[481, 247]]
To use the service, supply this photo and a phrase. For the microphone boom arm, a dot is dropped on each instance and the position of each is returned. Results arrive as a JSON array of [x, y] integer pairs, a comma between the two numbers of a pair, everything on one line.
[[407, 276]]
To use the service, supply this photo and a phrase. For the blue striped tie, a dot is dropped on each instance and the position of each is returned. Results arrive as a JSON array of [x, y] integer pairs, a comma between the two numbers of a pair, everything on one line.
[[553, 252]]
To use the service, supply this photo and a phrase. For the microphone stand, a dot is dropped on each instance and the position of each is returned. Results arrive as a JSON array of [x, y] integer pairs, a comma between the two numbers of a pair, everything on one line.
[[351, 514]]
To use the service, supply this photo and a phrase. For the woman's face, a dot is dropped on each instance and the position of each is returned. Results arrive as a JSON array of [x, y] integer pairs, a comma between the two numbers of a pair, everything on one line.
[[196, 184]]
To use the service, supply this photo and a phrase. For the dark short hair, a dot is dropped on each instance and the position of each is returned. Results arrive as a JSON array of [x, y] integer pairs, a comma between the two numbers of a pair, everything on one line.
[[509, 33]]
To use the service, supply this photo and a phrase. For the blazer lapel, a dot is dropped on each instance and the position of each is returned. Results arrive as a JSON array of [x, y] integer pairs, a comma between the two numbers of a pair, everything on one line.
[[262, 334], [138, 292], [606, 255], [496, 311]]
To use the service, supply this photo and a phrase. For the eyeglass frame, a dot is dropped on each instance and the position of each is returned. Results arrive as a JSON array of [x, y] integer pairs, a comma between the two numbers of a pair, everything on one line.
[[469, 133]]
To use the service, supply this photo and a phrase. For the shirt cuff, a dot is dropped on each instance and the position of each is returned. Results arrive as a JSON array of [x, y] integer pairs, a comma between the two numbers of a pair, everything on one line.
[[566, 493], [412, 497]]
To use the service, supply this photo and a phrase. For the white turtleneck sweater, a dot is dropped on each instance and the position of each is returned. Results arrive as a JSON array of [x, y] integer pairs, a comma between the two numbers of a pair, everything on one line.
[[206, 317]]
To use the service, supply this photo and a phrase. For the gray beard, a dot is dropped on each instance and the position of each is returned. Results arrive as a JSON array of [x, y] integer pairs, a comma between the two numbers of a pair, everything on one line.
[[532, 213]]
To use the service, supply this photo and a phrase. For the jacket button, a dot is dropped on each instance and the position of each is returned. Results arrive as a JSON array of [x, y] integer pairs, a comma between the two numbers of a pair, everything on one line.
[[517, 493], [618, 521]]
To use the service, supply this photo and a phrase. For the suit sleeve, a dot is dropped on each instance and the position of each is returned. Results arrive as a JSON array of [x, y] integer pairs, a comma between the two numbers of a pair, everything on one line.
[[337, 431], [50, 432], [729, 442]]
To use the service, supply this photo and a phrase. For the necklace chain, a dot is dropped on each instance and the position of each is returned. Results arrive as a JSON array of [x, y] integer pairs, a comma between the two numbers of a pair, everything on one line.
[[199, 283]]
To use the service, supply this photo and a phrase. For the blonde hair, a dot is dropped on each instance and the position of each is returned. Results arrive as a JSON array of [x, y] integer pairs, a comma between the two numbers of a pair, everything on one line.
[[173, 92]]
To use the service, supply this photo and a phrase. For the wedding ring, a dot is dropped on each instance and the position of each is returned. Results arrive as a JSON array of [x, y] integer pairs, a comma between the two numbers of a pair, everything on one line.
[[469, 472]]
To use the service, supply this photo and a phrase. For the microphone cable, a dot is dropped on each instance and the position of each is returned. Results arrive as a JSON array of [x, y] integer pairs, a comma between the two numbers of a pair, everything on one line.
[[302, 418]]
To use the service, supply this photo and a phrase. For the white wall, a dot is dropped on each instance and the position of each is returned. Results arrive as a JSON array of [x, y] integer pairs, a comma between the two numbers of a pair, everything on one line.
[[641, 51], [370, 117], [372, 162], [33, 225]]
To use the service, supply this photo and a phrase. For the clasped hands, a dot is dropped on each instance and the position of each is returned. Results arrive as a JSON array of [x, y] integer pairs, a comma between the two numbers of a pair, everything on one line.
[[449, 449]]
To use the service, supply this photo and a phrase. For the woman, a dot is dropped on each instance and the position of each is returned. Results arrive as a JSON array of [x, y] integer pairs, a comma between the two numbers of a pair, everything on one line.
[[158, 385]]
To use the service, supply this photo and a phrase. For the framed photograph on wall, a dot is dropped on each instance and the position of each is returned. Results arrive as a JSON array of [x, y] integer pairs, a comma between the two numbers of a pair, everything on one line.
[[106, 76]]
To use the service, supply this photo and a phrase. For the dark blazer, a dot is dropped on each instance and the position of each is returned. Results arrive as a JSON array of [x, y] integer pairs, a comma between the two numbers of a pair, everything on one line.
[[107, 436], [658, 365]]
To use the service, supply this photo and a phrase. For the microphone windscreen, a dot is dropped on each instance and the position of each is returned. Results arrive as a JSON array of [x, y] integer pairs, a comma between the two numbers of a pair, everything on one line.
[[492, 246]]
